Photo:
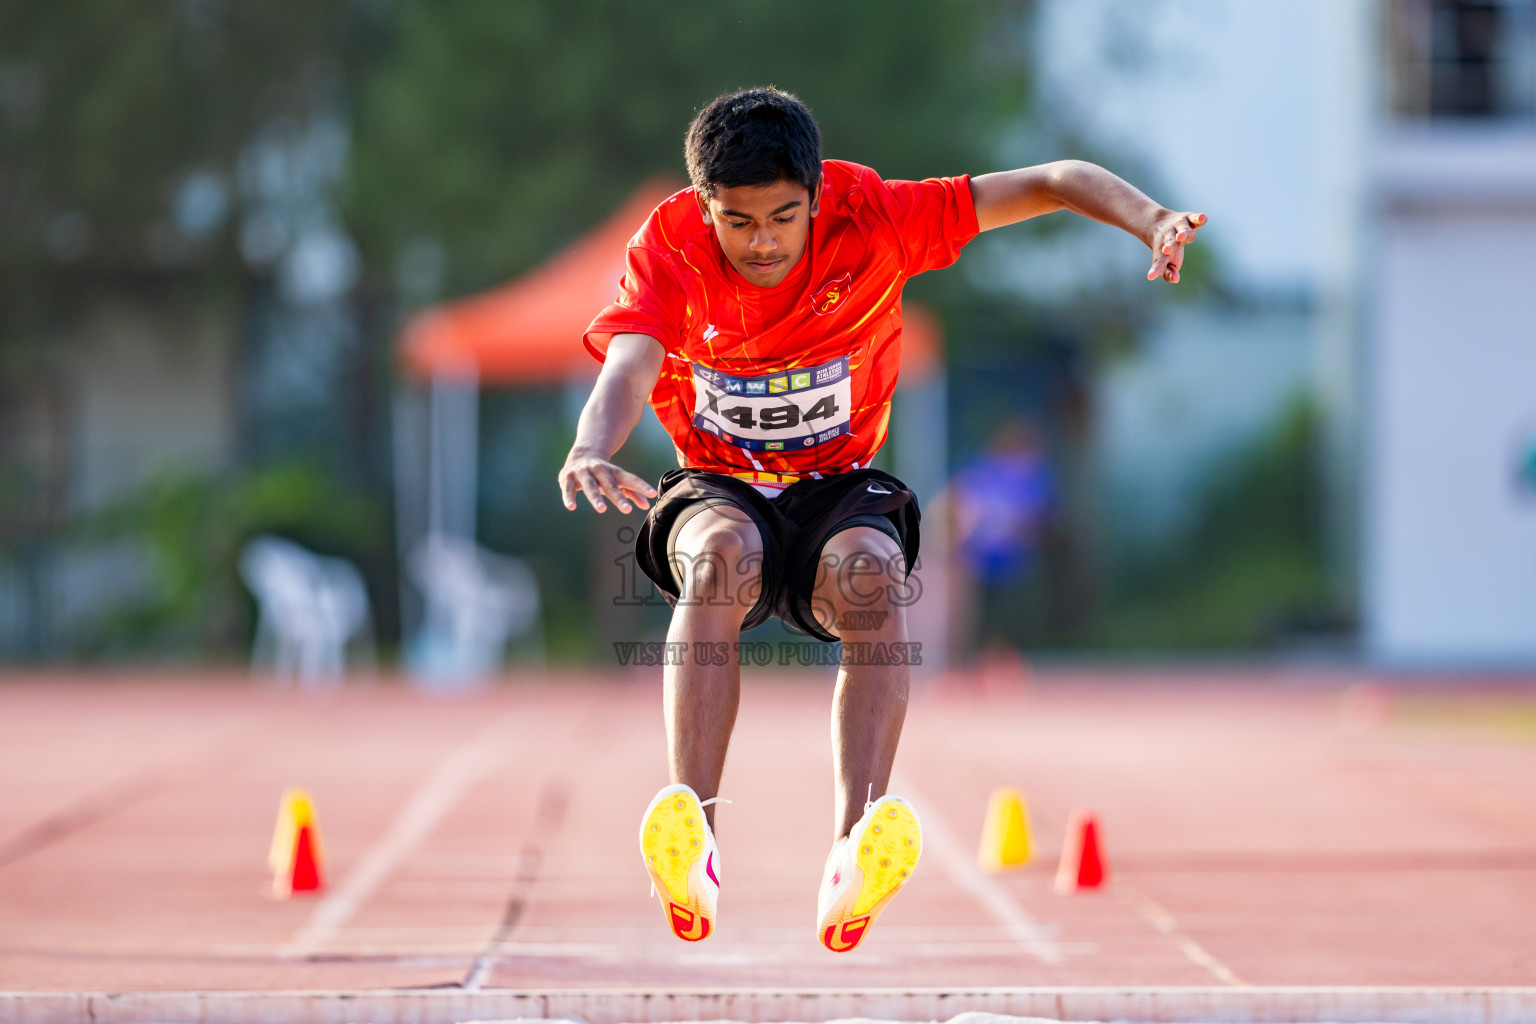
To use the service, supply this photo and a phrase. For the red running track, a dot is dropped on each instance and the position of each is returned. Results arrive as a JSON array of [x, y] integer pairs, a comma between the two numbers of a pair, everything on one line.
[[1262, 828]]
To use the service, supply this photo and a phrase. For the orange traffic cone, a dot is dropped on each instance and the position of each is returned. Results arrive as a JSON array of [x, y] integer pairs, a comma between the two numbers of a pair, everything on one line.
[[1082, 862], [297, 860]]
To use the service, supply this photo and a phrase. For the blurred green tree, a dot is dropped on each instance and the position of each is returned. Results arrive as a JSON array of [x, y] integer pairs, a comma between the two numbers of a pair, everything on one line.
[[481, 138], [121, 127], [492, 132], [502, 131], [487, 136], [121, 130], [108, 116]]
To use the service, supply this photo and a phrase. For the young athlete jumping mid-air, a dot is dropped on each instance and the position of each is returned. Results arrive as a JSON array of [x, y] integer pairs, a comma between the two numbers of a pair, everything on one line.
[[760, 316]]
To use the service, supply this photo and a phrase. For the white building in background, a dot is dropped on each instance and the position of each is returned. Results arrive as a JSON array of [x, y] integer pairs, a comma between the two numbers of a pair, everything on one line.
[[1449, 526], [1376, 160]]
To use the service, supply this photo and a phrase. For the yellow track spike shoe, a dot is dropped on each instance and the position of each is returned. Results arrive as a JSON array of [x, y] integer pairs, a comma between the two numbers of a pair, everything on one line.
[[864, 870], [680, 854]]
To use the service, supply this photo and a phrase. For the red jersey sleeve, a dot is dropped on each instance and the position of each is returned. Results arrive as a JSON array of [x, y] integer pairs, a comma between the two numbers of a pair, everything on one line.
[[651, 301], [933, 218]]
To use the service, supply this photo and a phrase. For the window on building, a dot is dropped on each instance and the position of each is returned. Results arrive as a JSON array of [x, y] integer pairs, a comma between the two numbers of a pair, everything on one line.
[[1462, 58]]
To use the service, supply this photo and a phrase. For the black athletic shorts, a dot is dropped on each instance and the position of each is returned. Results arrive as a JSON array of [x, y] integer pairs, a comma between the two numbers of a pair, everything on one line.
[[794, 525]]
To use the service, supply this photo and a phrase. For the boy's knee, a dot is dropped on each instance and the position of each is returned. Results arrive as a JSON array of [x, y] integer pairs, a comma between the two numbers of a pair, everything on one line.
[[858, 567], [716, 553], [861, 573]]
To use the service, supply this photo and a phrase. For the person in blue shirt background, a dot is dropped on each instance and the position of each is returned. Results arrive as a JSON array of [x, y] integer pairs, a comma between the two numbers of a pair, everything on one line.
[[1002, 502]]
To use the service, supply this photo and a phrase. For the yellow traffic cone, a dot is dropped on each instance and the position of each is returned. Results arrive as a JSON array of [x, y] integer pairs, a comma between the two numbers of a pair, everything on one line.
[[1005, 836]]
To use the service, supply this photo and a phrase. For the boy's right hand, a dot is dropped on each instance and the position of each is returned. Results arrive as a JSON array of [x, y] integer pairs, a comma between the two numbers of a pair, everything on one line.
[[592, 473]]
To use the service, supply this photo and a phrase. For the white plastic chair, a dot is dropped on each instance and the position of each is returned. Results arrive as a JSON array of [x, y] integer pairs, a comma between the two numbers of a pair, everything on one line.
[[476, 602], [309, 609]]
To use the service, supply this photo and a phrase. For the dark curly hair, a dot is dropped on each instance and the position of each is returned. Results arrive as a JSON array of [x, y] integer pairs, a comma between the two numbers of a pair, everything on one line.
[[753, 137]]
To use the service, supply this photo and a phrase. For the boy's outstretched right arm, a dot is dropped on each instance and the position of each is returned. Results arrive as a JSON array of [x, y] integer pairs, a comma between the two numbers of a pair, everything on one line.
[[630, 370]]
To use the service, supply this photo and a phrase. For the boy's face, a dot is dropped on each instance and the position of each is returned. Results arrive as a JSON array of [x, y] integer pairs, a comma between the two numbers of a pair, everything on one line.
[[763, 229]]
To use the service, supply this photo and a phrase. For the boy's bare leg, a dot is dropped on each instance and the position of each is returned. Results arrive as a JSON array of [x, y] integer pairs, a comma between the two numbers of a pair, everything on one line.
[[854, 588], [718, 560]]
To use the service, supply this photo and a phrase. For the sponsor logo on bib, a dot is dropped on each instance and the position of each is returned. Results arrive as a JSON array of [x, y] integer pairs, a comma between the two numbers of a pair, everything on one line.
[[798, 408]]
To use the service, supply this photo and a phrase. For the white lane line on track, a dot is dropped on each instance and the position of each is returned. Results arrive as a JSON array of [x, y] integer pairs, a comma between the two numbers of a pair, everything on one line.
[[1166, 923], [433, 799], [964, 873]]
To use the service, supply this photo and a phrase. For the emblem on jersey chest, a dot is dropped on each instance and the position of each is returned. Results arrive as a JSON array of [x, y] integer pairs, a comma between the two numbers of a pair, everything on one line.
[[831, 294]]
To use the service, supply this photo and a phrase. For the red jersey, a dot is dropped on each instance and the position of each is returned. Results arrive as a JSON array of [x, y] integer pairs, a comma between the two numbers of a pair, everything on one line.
[[795, 380]]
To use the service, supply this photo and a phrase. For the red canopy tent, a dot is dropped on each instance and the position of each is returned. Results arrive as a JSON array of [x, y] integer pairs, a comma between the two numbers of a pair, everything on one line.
[[529, 330]]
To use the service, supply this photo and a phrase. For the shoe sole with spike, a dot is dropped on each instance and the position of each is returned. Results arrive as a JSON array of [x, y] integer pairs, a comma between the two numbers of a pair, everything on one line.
[[888, 841], [678, 854]]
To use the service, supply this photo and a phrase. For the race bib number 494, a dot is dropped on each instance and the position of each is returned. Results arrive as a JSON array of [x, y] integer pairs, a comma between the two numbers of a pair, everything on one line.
[[779, 412]]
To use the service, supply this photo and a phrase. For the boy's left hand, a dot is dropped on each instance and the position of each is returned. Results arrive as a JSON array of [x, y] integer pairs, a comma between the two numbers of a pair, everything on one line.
[[1172, 233]]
